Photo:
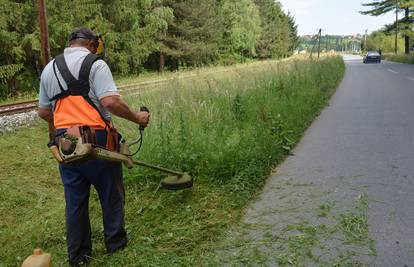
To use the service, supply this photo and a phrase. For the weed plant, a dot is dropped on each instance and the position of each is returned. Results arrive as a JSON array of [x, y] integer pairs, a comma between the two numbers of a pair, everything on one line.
[[228, 130], [234, 128]]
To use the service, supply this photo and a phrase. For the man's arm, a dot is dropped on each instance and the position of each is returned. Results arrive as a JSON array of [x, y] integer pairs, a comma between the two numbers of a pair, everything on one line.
[[118, 107], [47, 115]]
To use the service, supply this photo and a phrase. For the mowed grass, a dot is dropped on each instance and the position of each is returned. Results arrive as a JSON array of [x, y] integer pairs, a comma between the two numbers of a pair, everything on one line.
[[229, 130]]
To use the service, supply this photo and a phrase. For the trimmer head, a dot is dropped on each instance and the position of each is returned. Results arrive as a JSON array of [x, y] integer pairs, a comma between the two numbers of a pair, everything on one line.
[[177, 182]]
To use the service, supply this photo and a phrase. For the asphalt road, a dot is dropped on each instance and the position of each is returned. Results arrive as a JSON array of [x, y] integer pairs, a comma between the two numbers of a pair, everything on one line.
[[362, 144], [374, 111]]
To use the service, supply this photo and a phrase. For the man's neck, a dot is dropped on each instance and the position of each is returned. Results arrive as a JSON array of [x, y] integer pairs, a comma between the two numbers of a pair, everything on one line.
[[80, 46], [77, 45]]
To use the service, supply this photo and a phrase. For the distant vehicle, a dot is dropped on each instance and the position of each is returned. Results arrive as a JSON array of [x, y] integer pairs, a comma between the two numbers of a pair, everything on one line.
[[372, 57]]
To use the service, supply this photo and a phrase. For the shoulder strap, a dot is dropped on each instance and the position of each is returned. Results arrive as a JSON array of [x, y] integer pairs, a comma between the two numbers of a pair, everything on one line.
[[57, 78], [64, 70], [63, 92], [84, 73], [86, 66]]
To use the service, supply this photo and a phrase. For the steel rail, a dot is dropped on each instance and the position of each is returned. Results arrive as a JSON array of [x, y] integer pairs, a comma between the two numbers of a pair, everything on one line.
[[19, 107]]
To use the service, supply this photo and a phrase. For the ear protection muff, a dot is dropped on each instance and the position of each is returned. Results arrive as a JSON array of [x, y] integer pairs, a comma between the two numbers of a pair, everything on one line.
[[100, 51]]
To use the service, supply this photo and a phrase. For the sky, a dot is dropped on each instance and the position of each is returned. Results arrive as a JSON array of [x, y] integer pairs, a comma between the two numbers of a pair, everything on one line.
[[333, 16]]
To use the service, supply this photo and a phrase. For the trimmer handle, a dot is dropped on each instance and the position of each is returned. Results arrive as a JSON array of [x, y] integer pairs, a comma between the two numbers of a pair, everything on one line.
[[143, 109]]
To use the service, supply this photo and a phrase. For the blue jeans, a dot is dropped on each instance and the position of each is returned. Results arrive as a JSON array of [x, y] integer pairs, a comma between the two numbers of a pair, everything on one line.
[[107, 179]]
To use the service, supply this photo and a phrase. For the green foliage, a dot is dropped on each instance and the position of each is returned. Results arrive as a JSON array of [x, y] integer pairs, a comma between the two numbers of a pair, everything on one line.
[[241, 25], [403, 25], [192, 37], [9, 71], [18, 54], [385, 42], [331, 42], [143, 34], [276, 42], [381, 7]]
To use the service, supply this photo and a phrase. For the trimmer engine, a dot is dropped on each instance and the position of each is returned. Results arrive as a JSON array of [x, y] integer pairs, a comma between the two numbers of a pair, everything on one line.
[[72, 148]]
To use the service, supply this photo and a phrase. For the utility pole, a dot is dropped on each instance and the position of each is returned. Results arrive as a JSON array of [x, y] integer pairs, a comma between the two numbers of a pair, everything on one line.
[[396, 27], [365, 40], [44, 33], [319, 41], [406, 36], [45, 50]]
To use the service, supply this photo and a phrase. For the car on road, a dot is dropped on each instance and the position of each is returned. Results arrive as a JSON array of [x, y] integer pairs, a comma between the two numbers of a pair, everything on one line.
[[372, 57]]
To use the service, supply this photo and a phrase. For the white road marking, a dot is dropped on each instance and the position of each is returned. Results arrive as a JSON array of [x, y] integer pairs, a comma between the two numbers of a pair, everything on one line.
[[393, 71], [411, 79]]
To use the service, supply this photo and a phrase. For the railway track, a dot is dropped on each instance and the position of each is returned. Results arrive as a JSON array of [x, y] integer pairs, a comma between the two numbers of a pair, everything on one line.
[[20, 107]]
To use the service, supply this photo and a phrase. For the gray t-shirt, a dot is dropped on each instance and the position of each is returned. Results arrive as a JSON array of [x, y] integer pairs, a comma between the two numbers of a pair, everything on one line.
[[100, 79]]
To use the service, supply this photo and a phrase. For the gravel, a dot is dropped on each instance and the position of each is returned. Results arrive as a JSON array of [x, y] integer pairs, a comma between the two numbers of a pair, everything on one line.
[[12, 122]]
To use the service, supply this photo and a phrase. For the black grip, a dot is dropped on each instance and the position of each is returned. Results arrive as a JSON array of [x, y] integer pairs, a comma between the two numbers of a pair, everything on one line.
[[143, 109]]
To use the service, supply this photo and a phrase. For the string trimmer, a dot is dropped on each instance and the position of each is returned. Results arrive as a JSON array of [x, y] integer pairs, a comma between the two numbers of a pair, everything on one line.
[[73, 148]]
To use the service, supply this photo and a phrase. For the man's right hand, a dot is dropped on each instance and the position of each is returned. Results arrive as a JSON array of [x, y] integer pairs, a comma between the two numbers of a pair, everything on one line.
[[142, 118], [118, 107]]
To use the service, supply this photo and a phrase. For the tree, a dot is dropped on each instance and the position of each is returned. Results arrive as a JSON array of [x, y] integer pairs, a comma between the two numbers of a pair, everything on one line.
[[279, 31], [384, 41], [133, 32], [20, 46], [241, 27], [193, 34], [404, 25], [269, 45], [380, 7], [293, 32], [139, 33]]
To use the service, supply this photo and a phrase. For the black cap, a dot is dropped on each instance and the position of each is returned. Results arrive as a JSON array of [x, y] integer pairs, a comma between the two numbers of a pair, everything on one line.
[[83, 33]]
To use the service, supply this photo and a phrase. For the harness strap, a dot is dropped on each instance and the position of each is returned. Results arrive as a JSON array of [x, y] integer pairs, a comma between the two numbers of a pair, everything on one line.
[[64, 70], [54, 71], [63, 92], [78, 87], [86, 66]]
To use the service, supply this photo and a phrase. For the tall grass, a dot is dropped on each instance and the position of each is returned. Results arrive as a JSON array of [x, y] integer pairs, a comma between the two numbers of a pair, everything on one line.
[[228, 130], [402, 58], [234, 126]]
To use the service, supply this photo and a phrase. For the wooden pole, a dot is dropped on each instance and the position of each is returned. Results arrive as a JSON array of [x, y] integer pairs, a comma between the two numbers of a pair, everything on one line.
[[319, 41], [396, 28], [407, 28], [45, 50], [44, 33]]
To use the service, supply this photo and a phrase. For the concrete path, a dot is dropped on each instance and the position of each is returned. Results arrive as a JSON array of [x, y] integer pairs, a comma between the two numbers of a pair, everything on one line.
[[354, 165]]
